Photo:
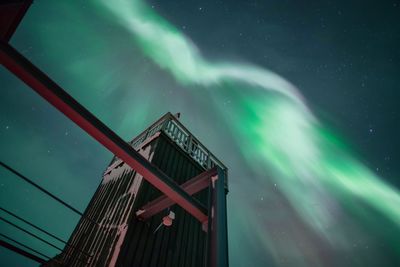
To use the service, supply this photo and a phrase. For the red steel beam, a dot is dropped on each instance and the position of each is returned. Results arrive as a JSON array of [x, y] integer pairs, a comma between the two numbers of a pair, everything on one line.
[[192, 186], [60, 99]]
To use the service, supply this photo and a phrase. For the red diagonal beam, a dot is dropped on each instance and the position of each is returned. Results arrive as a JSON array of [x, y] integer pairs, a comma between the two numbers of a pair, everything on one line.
[[60, 99], [192, 186]]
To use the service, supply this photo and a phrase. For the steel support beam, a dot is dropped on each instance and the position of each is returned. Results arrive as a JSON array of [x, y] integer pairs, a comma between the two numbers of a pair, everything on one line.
[[60, 99], [11, 14], [192, 186], [217, 222]]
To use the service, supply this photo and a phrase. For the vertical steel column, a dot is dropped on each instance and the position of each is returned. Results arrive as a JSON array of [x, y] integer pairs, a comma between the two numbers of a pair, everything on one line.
[[217, 222]]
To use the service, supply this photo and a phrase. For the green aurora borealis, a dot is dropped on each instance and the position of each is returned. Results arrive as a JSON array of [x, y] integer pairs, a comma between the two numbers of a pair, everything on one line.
[[299, 195]]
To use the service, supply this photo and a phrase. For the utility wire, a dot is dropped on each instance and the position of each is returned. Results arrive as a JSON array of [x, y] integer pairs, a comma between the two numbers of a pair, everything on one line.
[[39, 187], [22, 252], [26, 179], [25, 246], [30, 233], [42, 230], [34, 226]]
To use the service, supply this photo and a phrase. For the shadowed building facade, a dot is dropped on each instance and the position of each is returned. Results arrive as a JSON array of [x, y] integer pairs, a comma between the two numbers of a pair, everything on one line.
[[120, 226]]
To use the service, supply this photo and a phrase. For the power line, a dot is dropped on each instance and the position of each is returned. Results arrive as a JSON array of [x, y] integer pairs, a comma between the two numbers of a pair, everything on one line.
[[42, 230], [9, 246], [21, 252], [30, 233], [39, 187], [34, 226]]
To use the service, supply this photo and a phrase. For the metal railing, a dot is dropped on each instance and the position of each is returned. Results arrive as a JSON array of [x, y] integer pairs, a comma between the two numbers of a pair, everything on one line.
[[178, 133]]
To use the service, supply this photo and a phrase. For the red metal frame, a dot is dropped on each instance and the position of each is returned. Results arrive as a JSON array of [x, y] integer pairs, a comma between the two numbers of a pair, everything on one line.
[[192, 186], [56, 96]]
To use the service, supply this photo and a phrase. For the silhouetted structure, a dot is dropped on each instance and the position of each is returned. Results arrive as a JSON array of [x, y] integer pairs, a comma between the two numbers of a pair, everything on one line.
[[118, 228], [130, 214]]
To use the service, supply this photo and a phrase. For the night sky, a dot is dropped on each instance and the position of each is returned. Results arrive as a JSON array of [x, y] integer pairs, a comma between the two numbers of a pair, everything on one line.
[[337, 209]]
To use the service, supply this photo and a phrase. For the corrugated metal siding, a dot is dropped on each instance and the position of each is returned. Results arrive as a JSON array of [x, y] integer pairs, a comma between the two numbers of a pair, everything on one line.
[[113, 206], [110, 207], [182, 244]]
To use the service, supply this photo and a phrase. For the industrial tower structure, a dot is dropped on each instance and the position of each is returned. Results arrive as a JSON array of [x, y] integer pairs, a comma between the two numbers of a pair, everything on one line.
[[129, 223], [162, 200]]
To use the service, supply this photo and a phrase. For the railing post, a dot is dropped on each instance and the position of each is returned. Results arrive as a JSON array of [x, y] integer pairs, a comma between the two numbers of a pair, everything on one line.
[[208, 159], [189, 145]]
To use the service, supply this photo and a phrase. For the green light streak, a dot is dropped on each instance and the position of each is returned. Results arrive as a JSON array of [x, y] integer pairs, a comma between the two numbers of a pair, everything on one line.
[[309, 163], [171, 50]]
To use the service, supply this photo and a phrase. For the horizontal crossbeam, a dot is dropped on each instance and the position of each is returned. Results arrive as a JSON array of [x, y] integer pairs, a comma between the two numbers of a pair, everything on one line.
[[192, 186]]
